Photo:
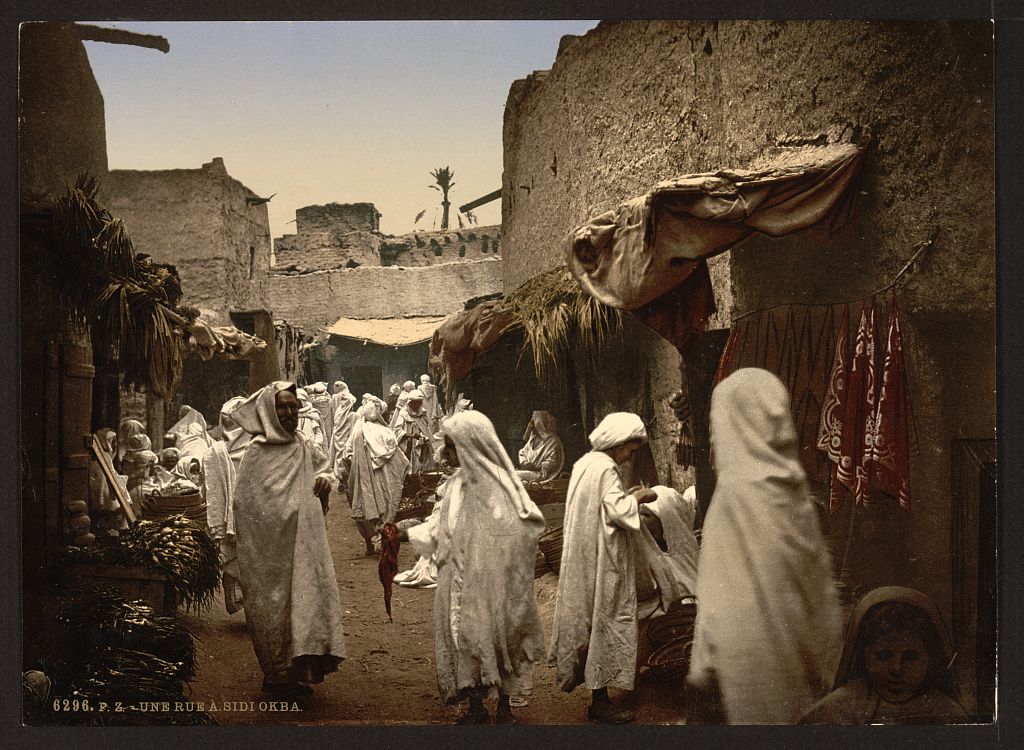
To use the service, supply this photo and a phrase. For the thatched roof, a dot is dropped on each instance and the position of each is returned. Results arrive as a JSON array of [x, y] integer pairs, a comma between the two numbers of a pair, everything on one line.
[[556, 315]]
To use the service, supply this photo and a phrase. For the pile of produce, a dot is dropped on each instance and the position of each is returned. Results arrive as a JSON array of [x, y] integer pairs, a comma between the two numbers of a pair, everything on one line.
[[106, 657], [177, 547]]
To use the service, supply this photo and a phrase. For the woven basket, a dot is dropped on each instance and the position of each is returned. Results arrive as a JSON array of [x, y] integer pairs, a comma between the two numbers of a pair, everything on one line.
[[550, 545], [671, 662], [159, 507], [420, 510], [549, 492], [674, 626]]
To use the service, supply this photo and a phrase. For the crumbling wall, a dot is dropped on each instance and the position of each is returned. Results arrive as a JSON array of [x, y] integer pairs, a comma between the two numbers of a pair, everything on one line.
[[321, 245], [315, 300], [697, 96], [207, 223], [433, 248], [338, 217]]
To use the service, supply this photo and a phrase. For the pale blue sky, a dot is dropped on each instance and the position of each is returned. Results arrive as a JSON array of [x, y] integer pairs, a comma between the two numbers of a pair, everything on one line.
[[325, 111]]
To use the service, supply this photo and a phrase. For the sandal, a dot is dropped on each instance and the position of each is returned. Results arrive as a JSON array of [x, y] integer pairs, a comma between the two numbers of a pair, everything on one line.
[[609, 714]]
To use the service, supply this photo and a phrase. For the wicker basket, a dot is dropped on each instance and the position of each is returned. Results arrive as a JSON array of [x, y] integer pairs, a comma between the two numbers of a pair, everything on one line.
[[159, 507], [674, 626], [671, 662], [416, 510], [549, 492], [550, 545]]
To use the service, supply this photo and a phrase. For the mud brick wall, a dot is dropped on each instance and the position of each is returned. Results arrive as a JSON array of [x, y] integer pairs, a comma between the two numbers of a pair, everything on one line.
[[633, 103]]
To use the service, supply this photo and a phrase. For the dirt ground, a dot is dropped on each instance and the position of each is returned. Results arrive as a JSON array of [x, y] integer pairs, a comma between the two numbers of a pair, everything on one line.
[[388, 676]]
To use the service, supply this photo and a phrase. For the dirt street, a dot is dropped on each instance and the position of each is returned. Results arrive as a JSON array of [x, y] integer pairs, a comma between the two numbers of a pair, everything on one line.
[[388, 676]]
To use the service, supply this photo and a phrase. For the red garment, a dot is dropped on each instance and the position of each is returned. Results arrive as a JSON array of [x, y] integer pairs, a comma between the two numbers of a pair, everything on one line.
[[833, 410], [683, 311], [889, 460], [388, 565], [858, 417]]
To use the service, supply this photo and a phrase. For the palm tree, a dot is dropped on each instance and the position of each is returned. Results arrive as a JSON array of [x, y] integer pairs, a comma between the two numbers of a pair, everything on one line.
[[443, 177]]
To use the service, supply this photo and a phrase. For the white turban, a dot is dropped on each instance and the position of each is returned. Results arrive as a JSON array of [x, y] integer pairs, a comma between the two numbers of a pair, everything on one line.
[[616, 429]]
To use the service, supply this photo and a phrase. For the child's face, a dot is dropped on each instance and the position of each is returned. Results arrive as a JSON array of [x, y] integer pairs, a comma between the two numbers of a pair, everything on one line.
[[896, 665]]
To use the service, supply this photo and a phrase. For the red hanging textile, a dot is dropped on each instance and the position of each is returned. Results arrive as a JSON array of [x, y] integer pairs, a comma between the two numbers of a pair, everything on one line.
[[889, 460], [387, 567], [833, 410], [858, 418]]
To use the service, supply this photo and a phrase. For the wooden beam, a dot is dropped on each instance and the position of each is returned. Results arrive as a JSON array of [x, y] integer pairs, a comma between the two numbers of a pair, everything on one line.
[[119, 36], [480, 201]]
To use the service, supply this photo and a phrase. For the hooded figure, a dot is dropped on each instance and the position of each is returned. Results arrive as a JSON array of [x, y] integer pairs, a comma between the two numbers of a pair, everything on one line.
[[413, 433], [403, 398], [342, 422], [666, 563], [895, 666], [292, 605], [310, 422], [487, 630], [369, 398], [543, 456], [125, 431], [324, 405], [219, 469], [430, 403], [391, 401], [594, 641], [376, 476], [193, 439], [768, 620]]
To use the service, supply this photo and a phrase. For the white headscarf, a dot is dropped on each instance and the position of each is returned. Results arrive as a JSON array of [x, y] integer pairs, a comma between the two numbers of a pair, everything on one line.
[[617, 428], [486, 475], [408, 385], [768, 622], [414, 395], [257, 415]]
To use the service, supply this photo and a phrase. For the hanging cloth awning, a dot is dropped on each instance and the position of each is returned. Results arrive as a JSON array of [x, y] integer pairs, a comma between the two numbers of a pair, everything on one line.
[[387, 331], [464, 335], [227, 342], [631, 256]]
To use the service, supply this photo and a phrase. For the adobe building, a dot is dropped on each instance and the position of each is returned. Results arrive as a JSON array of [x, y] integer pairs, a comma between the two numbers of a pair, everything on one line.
[[372, 301], [699, 97], [216, 231], [347, 235]]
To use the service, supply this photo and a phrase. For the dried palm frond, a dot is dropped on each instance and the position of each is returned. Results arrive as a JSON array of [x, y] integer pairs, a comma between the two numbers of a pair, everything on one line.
[[555, 315], [103, 282]]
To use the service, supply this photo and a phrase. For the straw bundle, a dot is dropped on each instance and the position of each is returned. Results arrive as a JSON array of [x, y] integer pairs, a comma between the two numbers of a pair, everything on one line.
[[555, 315]]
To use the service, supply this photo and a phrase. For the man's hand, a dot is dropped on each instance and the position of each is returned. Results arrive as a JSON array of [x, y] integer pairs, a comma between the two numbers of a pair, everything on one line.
[[322, 489], [645, 496]]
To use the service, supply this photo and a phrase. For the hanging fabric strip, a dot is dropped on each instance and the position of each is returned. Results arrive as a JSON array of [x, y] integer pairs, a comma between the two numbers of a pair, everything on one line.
[[870, 408], [889, 462], [830, 429]]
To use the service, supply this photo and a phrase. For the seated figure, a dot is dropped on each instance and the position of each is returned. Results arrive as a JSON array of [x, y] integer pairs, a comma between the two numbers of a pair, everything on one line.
[[542, 458]]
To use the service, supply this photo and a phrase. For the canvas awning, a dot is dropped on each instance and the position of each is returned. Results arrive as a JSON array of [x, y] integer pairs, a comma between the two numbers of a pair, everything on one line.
[[227, 342], [464, 335], [649, 245], [387, 331]]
